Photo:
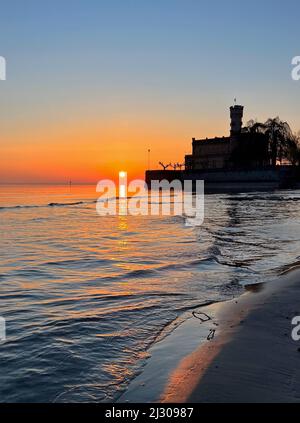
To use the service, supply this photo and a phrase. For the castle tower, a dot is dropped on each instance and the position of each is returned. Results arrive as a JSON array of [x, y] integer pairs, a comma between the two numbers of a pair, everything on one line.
[[236, 116]]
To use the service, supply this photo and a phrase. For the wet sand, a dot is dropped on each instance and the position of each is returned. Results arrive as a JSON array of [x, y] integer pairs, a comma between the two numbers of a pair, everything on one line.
[[250, 358]]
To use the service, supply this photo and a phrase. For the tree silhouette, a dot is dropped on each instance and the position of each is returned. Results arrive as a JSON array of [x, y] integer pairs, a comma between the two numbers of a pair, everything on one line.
[[280, 139], [265, 144], [292, 150]]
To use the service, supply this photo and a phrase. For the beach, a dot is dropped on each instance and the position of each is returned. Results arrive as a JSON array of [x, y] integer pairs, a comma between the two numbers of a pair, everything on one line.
[[251, 357]]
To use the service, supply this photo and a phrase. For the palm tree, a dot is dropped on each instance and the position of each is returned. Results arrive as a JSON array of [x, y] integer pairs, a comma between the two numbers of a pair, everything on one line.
[[165, 167]]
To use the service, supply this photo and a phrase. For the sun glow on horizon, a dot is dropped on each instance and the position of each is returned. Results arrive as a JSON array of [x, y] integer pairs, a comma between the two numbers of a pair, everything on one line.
[[122, 184]]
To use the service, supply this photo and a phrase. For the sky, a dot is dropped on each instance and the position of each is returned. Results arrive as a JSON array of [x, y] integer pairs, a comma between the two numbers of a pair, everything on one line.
[[93, 84]]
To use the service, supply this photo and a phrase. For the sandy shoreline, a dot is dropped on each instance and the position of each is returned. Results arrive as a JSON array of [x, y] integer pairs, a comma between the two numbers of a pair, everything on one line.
[[251, 358]]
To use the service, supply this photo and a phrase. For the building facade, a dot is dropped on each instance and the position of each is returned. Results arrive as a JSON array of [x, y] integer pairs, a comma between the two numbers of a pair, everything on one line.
[[215, 153]]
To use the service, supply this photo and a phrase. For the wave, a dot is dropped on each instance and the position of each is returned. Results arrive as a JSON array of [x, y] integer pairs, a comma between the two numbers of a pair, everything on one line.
[[18, 207], [34, 206], [57, 204], [185, 314], [287, 268], [77, 203], [263, 198]]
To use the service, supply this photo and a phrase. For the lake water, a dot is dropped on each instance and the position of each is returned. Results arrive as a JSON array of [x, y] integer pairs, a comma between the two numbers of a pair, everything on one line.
[[84, 296]]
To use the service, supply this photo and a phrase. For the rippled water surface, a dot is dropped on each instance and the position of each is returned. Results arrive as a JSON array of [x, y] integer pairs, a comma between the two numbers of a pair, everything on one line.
[[85, 296]]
